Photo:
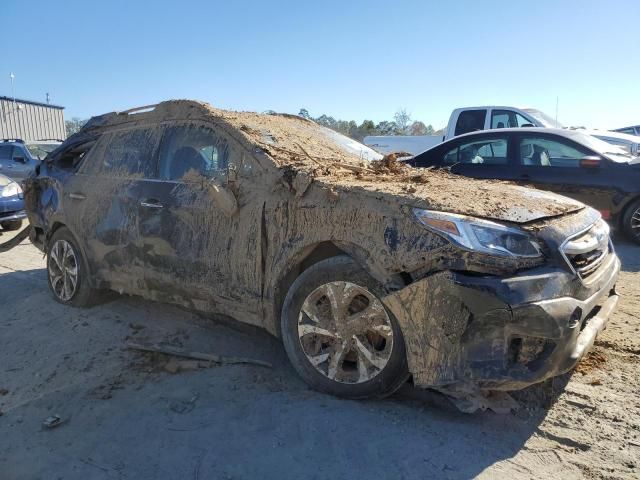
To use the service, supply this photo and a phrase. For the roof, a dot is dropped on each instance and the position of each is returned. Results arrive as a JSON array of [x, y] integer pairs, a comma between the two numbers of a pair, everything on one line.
[[31, 102], [288, 139]]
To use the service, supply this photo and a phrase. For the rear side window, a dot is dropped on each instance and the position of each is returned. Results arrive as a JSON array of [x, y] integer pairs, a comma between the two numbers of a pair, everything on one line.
[[491, 151], [5, 152], [470, 121], [193, 148], [130, 152], [536, 151]]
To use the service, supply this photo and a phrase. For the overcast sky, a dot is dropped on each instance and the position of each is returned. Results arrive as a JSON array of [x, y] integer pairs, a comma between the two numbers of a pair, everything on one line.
[[352, 60]]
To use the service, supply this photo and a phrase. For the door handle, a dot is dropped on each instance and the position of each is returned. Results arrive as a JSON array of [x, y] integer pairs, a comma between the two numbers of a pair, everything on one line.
[[151, 203], [525, 176], [77, 196]]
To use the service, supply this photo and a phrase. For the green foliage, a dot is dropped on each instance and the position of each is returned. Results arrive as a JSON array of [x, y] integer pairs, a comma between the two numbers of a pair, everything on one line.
[[400, 125], [74, 125]]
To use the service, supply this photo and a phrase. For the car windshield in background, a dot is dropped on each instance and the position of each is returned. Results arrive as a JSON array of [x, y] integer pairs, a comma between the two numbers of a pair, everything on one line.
[[41, 150], [543, 118], [613, 152], [351, 146]]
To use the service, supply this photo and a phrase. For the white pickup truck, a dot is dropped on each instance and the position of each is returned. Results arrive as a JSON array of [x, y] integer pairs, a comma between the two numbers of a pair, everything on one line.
[[471, 119]]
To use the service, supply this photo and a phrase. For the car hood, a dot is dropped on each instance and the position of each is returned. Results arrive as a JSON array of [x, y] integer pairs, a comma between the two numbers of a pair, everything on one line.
[[443, 191]]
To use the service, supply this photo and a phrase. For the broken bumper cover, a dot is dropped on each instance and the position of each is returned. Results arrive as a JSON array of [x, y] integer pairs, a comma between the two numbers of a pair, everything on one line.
[[469, 332]]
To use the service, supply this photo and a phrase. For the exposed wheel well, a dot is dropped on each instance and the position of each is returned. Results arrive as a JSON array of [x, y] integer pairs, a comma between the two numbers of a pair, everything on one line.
[[315, 254]]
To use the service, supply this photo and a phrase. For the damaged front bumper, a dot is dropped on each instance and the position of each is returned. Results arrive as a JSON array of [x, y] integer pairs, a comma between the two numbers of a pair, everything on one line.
[[469, 332]]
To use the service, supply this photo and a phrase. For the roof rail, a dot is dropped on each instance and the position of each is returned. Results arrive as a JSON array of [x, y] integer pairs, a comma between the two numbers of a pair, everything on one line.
[[18, 140], [163, 109]]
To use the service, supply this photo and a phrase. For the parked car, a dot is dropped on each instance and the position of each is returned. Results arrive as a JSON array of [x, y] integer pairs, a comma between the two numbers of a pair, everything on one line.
[[368, 276], [18, 158], [472, 119], [11, 204], [568, 162], [635, 130]]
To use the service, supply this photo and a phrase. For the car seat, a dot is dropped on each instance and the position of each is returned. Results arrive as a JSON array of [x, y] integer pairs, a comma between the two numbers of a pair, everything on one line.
[[185, 159], [540, 156]]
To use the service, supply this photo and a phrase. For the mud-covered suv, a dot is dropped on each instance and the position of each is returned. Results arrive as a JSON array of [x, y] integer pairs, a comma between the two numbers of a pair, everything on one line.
[[369, 270]]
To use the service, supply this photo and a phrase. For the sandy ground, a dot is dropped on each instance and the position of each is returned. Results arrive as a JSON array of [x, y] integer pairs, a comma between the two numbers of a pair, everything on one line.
[[125, 417]]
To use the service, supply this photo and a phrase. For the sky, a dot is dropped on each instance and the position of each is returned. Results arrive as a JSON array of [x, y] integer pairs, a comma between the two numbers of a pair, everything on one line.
[[348, 59]]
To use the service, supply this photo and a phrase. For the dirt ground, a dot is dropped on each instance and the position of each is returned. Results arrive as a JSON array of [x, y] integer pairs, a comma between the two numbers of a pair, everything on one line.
[[125, 416]]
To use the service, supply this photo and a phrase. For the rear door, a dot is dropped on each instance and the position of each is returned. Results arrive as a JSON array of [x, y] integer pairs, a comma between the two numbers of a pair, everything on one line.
[[102, 204], [553, 163], [482, 156], [6, 160], [200, 236]]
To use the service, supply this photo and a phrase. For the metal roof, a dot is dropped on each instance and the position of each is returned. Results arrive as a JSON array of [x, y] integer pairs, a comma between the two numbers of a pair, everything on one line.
[[30, 102]]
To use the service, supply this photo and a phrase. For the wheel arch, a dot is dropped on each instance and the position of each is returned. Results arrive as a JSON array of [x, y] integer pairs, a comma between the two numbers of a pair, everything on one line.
[[317, 252]]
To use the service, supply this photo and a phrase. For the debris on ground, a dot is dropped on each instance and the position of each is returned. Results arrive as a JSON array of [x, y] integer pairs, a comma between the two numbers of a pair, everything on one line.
[[207, 357], [3, 392], [595, 359], [52, 421]]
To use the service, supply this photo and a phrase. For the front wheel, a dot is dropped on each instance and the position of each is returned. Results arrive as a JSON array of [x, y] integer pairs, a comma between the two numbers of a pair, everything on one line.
[[339, 336], [631, 221]]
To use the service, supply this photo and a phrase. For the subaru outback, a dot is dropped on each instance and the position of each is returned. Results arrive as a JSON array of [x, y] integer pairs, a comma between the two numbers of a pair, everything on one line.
[[369, 271]]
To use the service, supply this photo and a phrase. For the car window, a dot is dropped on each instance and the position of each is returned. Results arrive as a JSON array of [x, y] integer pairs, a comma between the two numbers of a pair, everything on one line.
[[193, 147], [6, 152], [536, 151], [507, 119], [628, 131], [19, 155], [130, 152], [470, 121], [492, 151]]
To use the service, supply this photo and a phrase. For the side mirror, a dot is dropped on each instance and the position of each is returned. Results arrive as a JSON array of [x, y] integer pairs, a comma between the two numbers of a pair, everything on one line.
[[527, 125], [590, 161], [20, 159]]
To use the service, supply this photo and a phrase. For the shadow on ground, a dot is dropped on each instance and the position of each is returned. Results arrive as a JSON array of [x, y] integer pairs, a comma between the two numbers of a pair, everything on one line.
[[125, 419]]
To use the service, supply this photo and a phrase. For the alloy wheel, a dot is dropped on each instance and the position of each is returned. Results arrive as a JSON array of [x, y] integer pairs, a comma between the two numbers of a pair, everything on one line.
[[635, 223], [63, 270], [345, 332]]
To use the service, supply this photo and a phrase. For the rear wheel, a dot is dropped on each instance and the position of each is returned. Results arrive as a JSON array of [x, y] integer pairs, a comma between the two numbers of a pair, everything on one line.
[[67, 271], [631, 221], [339, 336], [11, 225]]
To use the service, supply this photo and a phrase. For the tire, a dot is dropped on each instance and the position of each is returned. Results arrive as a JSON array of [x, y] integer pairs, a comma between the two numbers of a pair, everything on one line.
[[64, 256], [347, 359], [631, 221], [11, 225]]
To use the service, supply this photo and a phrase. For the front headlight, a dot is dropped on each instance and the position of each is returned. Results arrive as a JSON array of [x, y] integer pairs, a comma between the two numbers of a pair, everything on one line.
[[480, 235], [13, 189]]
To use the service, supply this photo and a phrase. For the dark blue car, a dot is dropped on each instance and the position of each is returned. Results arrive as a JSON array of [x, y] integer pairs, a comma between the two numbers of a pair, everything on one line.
[[567, 162], [11, 204]]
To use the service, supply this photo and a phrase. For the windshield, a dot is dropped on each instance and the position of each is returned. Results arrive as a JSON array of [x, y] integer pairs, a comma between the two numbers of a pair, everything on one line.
[[613, 152], [543, 118], [40, 150], [351, 146]]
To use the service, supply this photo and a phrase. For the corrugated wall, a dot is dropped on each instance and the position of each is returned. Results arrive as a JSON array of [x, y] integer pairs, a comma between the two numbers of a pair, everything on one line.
[[30, 121]]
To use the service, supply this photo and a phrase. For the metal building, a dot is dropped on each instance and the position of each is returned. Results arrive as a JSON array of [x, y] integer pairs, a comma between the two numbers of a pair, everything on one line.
[[30, 120]]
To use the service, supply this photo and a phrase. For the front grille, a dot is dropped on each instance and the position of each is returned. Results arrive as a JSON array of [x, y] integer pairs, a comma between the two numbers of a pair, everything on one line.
[[587, 250]]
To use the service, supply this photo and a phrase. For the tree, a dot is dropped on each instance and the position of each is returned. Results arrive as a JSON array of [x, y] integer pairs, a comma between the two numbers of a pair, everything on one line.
[[73, 126], [403, 119], [418, 128], [304, 113], [387, 128]]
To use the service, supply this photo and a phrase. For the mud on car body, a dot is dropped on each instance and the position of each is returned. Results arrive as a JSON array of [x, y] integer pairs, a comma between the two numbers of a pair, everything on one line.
[[369, 270]]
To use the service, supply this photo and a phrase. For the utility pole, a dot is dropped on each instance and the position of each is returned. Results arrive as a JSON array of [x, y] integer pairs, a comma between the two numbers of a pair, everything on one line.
[[48, 98]]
